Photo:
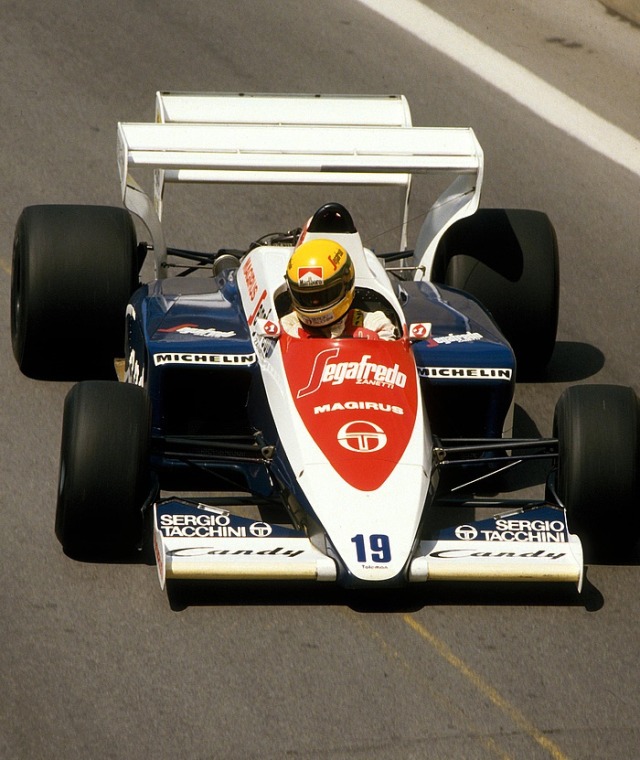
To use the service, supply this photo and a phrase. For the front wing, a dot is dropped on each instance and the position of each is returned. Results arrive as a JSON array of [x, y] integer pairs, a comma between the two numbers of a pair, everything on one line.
[[528, 545], [198, 542]]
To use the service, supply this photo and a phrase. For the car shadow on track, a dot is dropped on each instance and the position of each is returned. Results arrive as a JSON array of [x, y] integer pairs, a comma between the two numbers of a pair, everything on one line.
[[185, 594], [573, 361]]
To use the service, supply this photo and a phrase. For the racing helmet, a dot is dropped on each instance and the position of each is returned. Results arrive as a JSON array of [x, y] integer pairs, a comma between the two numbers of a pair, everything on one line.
[[320, 276]]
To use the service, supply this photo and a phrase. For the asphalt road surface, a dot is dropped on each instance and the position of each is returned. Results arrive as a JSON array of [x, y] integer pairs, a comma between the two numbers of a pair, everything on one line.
[[94, 660]]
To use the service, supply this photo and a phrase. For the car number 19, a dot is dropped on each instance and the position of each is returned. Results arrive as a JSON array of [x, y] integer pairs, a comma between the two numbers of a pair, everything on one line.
[[378, 549]]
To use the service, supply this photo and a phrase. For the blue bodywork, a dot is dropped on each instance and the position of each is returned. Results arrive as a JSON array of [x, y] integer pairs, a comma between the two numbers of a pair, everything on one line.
[[188, 343]]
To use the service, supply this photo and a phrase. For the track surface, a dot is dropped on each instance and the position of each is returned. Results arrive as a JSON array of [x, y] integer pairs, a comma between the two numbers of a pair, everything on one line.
[[94, 662]]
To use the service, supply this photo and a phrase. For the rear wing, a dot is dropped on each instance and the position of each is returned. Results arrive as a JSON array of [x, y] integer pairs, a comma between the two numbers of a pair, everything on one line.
[[296, 139]]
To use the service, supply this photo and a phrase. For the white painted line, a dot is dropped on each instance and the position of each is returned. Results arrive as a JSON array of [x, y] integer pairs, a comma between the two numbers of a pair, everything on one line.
[[514, 80]]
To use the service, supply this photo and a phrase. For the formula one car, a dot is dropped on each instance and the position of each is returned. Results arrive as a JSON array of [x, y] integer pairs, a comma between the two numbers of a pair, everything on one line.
[[349, 448]]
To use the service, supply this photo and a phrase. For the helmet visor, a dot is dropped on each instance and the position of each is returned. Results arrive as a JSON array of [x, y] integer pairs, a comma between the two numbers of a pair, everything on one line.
[[312, 298]]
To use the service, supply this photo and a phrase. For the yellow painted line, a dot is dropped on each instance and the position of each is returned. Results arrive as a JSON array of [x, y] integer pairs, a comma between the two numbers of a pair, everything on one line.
[[494, 747], [5, 266], [486, 689], [489, 743]]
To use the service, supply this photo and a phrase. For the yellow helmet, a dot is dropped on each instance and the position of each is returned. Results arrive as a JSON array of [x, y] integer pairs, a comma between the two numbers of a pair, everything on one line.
[[320, 276]]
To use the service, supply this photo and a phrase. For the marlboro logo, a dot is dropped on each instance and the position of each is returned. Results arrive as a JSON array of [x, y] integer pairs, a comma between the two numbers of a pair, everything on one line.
[[310, 276]]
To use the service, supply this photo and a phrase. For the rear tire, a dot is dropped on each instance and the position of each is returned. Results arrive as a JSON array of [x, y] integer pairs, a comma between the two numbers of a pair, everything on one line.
[[74, 269], [104, 469], [508, 260], [598, 466]]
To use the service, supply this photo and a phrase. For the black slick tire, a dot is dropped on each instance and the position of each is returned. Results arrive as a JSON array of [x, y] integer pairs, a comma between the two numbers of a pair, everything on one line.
[[104, 469], [508, 260], [598, 467], [74, 269]]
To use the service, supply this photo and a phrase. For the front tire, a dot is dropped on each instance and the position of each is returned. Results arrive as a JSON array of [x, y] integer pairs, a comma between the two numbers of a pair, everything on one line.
[[104, 469], [598, 466]]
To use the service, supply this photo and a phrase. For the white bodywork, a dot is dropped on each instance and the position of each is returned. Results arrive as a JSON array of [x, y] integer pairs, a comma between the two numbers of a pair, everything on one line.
[[342, 509], [293, 139]]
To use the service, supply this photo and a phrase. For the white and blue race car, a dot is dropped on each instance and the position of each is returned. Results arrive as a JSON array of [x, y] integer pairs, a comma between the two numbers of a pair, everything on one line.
[[351, 449]]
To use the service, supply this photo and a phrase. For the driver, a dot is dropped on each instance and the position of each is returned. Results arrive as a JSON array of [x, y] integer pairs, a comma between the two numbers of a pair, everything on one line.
[[320, 276]]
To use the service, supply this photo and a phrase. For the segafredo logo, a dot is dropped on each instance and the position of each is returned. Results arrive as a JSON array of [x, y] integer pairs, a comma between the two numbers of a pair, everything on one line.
[[363, 372]]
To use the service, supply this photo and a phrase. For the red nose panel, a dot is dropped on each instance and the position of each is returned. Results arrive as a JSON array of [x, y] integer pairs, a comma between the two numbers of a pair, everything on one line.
[[358, 400]]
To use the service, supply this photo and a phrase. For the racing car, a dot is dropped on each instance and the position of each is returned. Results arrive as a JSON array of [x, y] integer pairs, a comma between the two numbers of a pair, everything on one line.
[[350, 449]]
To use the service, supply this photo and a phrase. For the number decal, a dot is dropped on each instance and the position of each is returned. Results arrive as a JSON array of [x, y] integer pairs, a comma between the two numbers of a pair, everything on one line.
[[379, 549], [361, 554]]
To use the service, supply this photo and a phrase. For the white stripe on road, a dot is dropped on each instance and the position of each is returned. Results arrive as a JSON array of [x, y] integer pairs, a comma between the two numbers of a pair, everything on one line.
[[514, 80]]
